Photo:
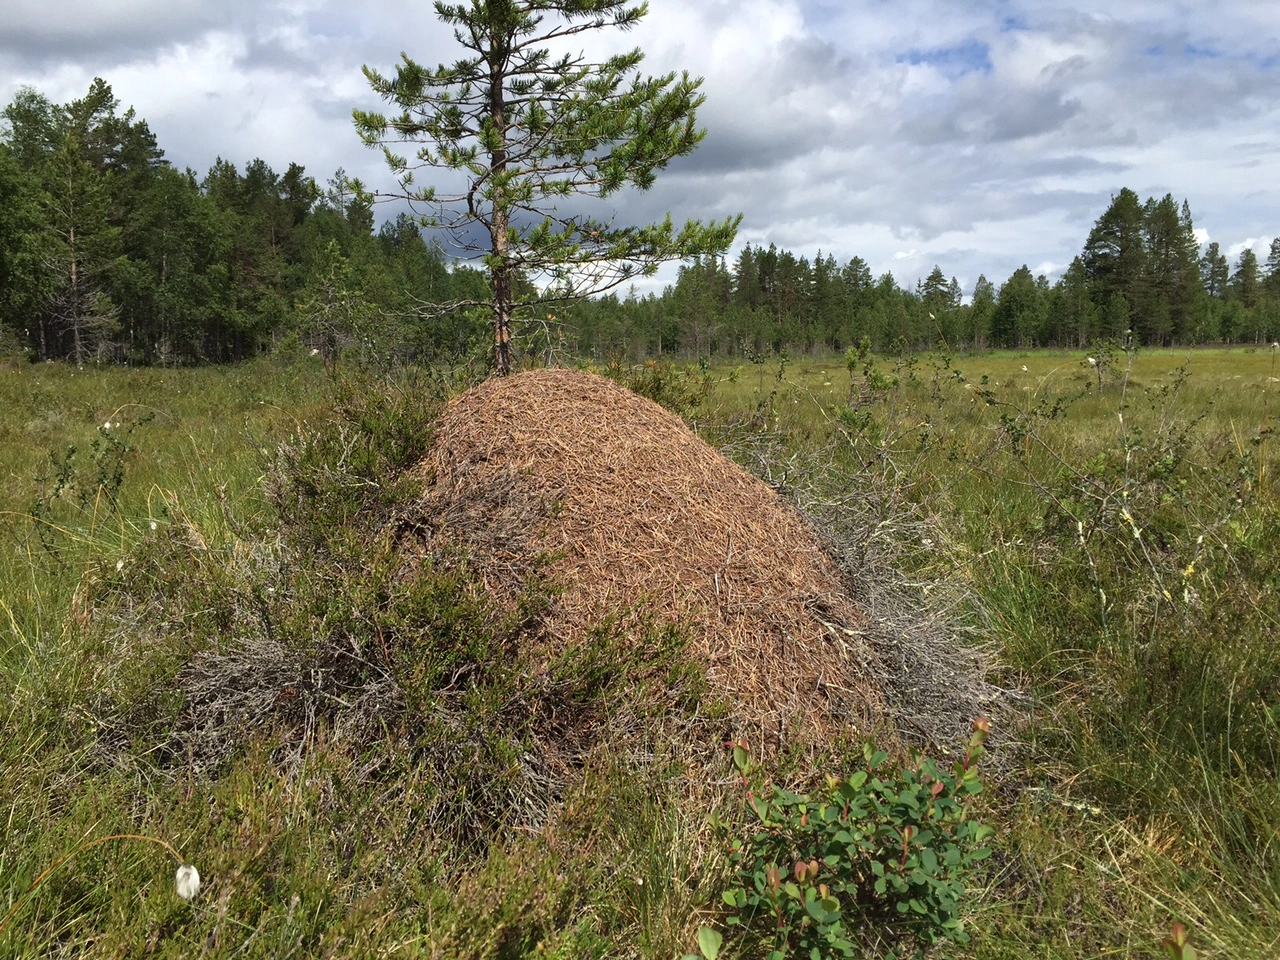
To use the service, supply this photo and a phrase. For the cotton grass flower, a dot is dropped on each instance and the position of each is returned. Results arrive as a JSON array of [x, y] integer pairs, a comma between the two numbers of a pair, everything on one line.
[[187, 881]]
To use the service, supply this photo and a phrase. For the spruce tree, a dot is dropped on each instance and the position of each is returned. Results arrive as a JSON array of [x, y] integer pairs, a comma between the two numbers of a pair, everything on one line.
[[1075, 318], [933, 290], [1171, 309], [530, 132], [23, 274]]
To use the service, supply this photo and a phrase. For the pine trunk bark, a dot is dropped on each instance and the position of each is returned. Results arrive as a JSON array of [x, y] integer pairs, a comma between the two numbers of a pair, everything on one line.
[[500, 222]]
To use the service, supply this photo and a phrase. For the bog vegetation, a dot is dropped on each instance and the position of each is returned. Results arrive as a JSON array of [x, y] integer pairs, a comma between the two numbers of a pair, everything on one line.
[[1110, 537], [984, 667]]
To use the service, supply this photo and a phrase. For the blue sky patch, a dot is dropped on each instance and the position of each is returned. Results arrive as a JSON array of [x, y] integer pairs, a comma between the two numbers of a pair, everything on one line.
[[1194, 51], [972, 56]]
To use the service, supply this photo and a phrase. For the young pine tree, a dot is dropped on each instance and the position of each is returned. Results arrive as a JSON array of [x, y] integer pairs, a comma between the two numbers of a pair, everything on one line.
[[530, 131]]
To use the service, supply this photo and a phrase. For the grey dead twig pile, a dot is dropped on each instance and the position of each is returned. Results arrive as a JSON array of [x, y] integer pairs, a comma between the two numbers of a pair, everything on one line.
[[924, 627]]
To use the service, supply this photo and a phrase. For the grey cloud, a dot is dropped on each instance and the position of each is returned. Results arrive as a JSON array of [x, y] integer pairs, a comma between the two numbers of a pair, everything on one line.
[[1030, 116], [42, 33], [934, 129], [776, 108], [739, 147], [1075, 163], [272, 54], [338, 109]]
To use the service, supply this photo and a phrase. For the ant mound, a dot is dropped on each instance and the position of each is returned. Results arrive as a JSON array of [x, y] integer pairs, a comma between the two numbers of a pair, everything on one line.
[[571, 475]]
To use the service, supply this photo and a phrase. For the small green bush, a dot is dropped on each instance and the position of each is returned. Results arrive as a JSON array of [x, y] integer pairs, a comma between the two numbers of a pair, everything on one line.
[[682, 390], [882, 854]]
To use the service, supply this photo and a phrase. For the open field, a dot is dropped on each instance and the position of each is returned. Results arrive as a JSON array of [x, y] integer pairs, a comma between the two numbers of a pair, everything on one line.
[[1117, 533], [182, 442], [1124, 547]]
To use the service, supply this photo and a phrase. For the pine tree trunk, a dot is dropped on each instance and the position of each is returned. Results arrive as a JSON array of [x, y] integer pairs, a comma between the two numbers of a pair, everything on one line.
[[501, 276], [77, 351], [502, 294]]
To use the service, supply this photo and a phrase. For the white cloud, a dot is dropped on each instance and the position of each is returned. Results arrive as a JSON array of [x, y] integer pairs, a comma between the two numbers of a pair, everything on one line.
[[976, 136], [1259, 245]]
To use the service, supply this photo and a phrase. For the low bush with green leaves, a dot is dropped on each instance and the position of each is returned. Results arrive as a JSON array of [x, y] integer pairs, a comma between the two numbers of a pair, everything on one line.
[[880, 856], [681, 389]]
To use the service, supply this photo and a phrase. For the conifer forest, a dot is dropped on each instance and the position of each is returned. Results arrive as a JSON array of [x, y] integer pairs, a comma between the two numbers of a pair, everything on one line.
[[109, 253]]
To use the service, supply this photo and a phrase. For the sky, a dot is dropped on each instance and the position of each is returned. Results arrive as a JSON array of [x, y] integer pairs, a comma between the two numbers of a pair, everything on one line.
[[977, 135]]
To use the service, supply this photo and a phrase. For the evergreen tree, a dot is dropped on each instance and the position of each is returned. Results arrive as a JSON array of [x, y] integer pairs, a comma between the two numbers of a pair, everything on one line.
[[23, 272], [825, 302], [530, 132], [700, 298], [111, 143], [78, 318], [334, 315], [1115, 255], [1075, 318], [981, 311], [1019, 311], [767, 269], [859, 286], [1214, 271], [1171, 264], [789, 301], [1271, 281], [1245, 284], [1189, 304], [257, 260], [33, 128], [171, 288], [934, 292], [746, 280]]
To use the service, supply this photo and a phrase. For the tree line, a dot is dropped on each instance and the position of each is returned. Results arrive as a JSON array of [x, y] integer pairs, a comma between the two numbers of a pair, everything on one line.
[[109, 253], [1140, 274]]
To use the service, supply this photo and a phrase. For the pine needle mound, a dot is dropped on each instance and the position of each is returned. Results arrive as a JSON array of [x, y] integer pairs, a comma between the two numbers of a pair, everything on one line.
[[629, 511]]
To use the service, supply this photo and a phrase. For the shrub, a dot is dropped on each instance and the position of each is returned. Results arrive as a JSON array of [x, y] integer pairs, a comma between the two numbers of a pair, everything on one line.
[[880, 855], [682, 390]]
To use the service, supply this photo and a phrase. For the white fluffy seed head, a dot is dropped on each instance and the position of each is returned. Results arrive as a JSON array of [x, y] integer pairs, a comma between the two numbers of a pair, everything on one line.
[[188, 881]]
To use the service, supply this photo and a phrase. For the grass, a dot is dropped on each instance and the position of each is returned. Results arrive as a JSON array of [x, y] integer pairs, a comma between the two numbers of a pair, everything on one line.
[[1140, 791], [268, 592], [1147, 790]]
